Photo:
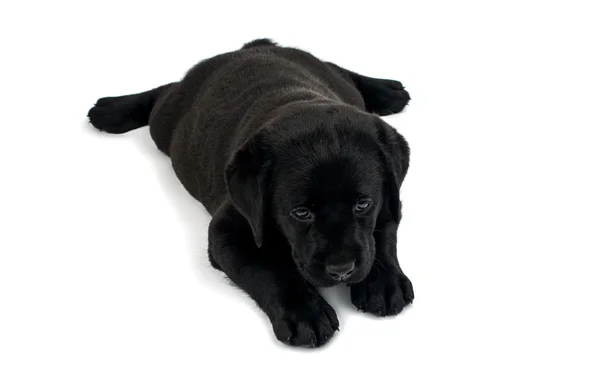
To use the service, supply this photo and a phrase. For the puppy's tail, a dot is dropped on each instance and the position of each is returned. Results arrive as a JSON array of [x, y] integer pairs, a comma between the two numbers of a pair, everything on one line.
[[122, 114], [259, 42]]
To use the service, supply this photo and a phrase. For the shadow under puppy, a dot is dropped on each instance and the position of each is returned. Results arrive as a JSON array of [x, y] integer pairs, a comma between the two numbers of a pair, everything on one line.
[[299, 173]]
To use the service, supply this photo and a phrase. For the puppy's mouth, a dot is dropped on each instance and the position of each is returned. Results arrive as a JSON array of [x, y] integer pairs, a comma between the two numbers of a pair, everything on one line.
[[318, 276]]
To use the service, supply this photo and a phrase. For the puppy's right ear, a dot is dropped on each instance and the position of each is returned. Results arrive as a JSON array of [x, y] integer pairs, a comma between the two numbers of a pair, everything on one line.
[[246, 176]]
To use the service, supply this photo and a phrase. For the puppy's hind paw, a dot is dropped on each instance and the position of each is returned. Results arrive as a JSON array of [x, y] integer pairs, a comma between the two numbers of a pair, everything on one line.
[[385, 96]]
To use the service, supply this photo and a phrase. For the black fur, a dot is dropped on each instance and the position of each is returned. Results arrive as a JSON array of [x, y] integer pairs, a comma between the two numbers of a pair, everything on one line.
[[300, 174]]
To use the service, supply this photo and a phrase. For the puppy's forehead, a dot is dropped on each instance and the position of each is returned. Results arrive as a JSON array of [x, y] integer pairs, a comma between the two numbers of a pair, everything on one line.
[[319, 168], [340, 175]]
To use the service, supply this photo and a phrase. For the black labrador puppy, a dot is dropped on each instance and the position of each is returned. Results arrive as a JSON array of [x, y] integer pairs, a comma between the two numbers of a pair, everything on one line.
[[299, 173]]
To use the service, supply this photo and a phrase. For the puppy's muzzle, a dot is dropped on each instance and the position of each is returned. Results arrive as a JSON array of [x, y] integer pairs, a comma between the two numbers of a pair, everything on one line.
[[340, 272]]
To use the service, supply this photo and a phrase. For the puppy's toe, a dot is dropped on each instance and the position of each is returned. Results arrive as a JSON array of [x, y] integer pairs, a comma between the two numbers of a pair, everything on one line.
[[407, 290], [306, 335], [398, 100]]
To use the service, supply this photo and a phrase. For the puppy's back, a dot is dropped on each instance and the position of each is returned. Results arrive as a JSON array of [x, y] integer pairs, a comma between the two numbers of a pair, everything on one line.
[[224, 100]]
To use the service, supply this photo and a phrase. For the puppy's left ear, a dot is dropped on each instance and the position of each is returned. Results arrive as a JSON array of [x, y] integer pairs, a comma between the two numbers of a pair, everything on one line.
[[246, 176], [396, 155]]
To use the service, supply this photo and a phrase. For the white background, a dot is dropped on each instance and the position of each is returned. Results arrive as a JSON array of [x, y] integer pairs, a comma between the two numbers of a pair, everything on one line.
[[104, 278]]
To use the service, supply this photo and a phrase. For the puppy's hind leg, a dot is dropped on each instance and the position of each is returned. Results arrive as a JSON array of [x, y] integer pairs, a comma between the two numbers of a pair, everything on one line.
[[381, 96], [121, 114]]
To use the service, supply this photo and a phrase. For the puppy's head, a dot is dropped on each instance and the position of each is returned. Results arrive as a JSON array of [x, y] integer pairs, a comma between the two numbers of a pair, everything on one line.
[[324, 180]]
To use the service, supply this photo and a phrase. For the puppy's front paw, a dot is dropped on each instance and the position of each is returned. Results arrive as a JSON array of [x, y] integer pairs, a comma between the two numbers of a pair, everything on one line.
[[383, 293], [385, 96], [308, 324]]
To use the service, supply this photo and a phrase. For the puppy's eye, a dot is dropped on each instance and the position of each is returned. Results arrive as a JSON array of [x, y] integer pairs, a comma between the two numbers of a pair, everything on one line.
[[363, 205], [302, 213]]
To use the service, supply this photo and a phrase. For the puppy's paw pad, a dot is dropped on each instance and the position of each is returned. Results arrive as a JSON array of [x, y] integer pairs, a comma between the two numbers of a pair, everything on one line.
[[383, 294], [306, 326]]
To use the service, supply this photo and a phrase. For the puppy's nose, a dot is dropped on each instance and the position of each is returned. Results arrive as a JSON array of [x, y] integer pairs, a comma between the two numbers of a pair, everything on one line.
[[340, 272]]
